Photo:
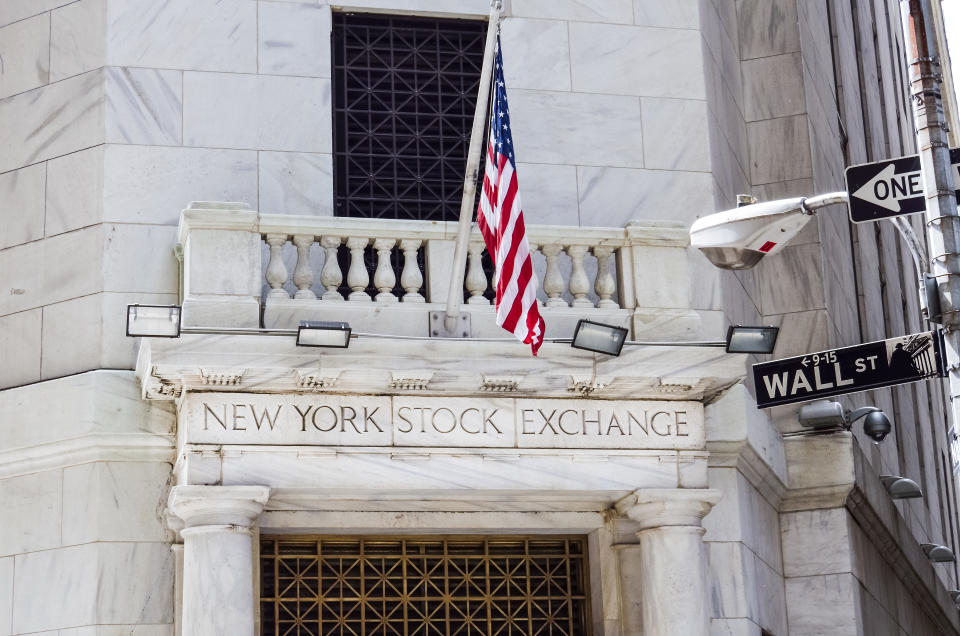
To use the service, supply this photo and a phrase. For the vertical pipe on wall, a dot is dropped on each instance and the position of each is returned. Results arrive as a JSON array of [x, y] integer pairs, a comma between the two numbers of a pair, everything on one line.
[[942, 218]]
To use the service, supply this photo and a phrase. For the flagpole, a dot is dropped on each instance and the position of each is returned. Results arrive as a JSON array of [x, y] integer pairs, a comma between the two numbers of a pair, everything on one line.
[[455, 291]]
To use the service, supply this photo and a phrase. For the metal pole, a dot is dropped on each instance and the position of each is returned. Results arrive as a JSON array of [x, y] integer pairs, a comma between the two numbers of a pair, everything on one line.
[[943, 221], [455, 291]]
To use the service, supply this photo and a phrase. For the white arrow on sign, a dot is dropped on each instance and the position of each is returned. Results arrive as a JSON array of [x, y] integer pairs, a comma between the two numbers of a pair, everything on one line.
[[886, 189]]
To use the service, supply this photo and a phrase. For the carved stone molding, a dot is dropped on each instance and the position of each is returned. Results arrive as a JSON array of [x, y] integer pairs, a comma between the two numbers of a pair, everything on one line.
[[221, 377], [317, 380], [587, 385], [500, 384], [657, 507], [217, 505], [410, 380], [162, 389]]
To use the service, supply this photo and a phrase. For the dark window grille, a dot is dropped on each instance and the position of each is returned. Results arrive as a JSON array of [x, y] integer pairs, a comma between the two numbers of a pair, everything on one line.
[[404, 95], [424, 586]]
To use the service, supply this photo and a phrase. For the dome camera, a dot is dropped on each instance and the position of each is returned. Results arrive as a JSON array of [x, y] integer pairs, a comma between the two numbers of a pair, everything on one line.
[[825, 416], [876, 426]]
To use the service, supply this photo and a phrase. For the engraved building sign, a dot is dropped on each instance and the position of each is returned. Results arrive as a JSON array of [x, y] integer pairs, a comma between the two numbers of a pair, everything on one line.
[[363, 420]]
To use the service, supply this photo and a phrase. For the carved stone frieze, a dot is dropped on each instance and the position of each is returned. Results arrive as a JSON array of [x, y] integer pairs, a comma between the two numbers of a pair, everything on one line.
[[221, 377], [587, 385], [317, 380], [499, 384], [410, 380]]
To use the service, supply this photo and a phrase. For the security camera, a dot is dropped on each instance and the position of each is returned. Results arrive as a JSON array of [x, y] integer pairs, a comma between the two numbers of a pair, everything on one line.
[[876, 426], [739, 238], [824, 416]]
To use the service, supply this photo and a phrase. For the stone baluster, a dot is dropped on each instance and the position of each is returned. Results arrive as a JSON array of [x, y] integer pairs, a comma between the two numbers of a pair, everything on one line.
[[605, 284], [218, 595], [667, 567], [410, 278], [276, 270], [476, 279], [330, 275], [383, 278], [303, 274], [357, 276], [553, 280], [579, 285]]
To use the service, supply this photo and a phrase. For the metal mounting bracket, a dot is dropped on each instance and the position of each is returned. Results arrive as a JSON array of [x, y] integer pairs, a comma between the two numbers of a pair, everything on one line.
[[438, 327]]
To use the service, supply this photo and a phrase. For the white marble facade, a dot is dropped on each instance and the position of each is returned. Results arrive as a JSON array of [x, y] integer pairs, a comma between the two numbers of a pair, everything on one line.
[[115, 114]]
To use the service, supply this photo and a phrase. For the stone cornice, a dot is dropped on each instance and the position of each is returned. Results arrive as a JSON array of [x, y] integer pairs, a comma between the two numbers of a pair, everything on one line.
[[167, 368], [881, 520], [744, 457], [84, 449]]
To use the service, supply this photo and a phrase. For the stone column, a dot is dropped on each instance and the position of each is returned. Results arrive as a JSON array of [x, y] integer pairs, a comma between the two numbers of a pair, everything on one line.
[[218, 595], [672, 573]]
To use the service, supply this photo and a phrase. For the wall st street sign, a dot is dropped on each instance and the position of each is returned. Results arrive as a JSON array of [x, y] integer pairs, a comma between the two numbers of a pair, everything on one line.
[[889, 188], [850, 369]]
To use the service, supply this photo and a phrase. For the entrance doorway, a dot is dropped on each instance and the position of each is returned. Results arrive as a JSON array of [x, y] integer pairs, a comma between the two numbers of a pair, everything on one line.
[[424, 586]]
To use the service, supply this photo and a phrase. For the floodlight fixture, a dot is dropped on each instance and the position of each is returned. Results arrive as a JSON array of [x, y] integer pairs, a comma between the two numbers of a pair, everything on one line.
[[744, 339], [323, 334], [153, 321], [599, 337], [938, 553], [901, 487]]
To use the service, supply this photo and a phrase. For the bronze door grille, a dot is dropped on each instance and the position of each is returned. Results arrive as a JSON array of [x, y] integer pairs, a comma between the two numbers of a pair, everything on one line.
[[404, 94], [434, 586]]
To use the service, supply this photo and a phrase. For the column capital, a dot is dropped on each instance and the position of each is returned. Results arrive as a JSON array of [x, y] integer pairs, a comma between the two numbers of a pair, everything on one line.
[[217, 505], [658, 507]]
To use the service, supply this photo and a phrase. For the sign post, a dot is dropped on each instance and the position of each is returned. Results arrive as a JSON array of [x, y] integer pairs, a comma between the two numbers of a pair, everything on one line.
[[850, 369]]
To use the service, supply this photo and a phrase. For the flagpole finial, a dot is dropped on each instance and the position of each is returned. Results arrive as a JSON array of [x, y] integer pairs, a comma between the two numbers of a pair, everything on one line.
[[497, 4]]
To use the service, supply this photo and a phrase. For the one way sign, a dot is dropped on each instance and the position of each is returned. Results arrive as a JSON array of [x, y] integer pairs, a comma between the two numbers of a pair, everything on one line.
[[890, 188]]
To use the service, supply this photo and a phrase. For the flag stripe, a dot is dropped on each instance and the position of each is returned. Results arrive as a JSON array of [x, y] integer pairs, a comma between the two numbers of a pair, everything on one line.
[[500, 219]]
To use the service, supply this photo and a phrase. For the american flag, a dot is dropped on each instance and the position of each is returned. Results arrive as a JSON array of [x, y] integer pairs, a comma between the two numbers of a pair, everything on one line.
[[500, 218]]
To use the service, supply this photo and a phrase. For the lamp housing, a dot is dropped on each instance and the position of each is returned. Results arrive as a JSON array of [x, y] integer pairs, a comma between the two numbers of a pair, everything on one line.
[[744, 339], [599, 337], [739, 238], [319, 333], [153, 321], [938, 553], [901, 487], [822, 414]]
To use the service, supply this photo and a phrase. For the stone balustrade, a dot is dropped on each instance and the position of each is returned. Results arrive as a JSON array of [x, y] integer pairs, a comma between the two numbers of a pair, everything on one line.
[[588, 284], [377, 273]]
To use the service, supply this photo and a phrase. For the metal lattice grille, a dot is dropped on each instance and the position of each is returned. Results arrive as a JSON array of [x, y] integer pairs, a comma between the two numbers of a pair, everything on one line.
[[404, 94], [490, 586]]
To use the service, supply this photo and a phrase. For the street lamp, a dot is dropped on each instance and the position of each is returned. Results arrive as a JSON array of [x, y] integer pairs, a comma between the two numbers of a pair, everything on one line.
[[740, 237]]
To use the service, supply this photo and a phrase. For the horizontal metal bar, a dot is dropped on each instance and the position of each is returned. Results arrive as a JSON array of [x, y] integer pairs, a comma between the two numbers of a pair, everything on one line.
[[243, 331]]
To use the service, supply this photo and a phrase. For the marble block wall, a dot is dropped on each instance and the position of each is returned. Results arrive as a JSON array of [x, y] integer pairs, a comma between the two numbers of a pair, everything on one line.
[[114, 114], [82, 479], [746, 567], [797, 91], [821, 86]]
